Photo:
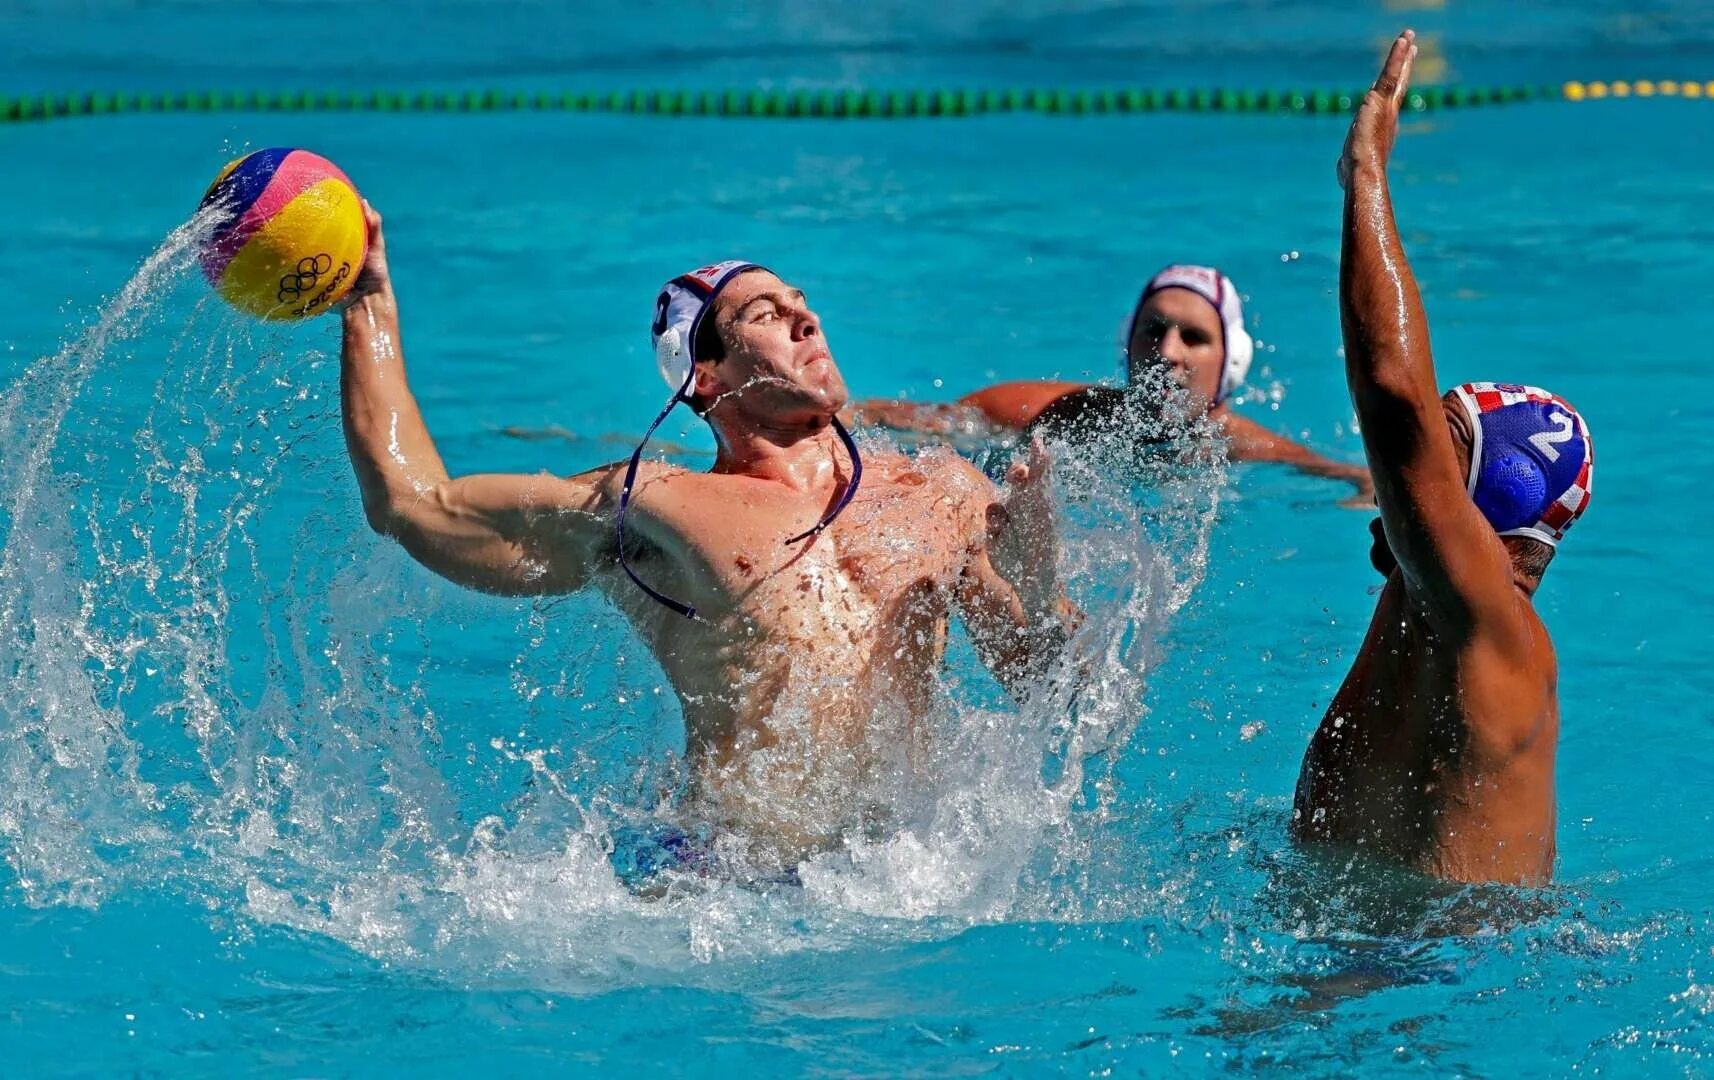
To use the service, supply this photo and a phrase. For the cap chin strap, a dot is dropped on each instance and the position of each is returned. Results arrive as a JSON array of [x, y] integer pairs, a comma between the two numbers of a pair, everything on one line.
[[850, 487], [683, 394]]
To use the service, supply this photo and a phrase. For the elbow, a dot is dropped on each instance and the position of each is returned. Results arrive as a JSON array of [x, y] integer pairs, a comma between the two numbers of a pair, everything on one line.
[[397, 508], [1392, 402], [380, 516], [385, 513]]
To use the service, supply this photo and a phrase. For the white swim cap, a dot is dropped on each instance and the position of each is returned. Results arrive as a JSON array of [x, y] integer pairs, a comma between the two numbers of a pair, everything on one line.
[[679, 310], [678, 316], [1217, 289]]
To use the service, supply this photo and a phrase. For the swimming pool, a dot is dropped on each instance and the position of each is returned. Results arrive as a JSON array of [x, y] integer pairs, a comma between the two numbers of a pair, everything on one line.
[[275, 798]]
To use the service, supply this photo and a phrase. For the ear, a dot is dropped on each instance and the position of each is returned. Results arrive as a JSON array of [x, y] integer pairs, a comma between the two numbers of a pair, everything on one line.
[[707, 385]]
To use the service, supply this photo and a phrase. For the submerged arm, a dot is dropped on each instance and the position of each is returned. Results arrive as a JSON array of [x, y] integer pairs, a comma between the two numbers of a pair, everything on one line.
[[921, 418], [991, 411], [501, 533]]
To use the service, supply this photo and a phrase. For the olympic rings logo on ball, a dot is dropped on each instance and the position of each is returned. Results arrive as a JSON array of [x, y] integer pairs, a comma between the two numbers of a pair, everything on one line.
[[309, 271]]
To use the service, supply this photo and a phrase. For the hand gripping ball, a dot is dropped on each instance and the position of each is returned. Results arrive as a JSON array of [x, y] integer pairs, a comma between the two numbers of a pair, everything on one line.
[[289, 235]]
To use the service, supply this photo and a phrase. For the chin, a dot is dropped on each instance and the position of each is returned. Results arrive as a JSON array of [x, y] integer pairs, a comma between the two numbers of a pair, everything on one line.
[[1382, 560], [831, 394]]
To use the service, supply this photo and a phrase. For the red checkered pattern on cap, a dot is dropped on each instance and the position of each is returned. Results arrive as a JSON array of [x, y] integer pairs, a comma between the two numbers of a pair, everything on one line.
[[1564, 512]]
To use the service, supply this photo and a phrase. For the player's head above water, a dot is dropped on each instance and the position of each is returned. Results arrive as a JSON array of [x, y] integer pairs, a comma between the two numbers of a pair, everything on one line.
[[740, 345], [1190, 319], [1528, 463], [744, 350]]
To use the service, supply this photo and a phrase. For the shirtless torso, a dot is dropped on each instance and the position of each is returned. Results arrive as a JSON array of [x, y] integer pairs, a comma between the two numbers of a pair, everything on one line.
[[810, 667], [1437, 753], [1438, 750]]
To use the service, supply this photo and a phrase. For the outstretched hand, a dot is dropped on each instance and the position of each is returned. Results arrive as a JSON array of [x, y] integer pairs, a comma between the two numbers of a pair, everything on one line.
[[1376, 125]]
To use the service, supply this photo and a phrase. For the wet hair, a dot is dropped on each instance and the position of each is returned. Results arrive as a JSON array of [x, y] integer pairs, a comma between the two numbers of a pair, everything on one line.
[[1529, 555], [707, 344]]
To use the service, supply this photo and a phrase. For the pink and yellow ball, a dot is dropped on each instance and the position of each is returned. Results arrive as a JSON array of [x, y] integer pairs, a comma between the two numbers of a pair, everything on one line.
[[289, 237]]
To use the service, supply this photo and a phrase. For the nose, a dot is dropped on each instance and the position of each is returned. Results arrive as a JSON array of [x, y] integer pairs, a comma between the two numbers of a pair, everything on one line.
[[806, 325], [1172, 348]]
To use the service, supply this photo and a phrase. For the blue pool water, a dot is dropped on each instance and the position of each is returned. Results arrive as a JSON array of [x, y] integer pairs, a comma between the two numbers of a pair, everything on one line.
[[273, 799]]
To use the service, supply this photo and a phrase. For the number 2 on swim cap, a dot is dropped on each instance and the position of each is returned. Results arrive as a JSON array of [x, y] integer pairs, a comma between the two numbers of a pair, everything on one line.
[[1548, 441]]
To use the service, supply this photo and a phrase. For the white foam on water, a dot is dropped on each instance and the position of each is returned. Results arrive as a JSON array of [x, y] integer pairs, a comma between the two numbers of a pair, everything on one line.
[[220, 683]]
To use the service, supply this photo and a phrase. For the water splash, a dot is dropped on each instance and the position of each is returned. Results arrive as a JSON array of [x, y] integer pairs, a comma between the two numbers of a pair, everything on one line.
[[226, 687]]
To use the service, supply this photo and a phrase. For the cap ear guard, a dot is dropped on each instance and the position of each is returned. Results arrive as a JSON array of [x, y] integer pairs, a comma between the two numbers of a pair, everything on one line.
[[679, 310], [1240, 350], [1531, 459], [1216, 288], [672, 356]]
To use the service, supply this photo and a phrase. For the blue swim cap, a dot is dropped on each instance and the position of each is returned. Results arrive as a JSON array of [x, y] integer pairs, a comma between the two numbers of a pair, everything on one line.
[[1531, 461]]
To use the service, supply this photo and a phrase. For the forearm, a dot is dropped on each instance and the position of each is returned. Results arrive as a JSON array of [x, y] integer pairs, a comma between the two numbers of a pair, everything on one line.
[[391, 451], [1387, 359], [1020, 646], [1314, 464], [1020, 623], [1249, 441]]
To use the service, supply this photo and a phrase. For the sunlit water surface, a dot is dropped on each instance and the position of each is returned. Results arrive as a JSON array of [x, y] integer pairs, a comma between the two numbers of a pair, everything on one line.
[[274, 796]]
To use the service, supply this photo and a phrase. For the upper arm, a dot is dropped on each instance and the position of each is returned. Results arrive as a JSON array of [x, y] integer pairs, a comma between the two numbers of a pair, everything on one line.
[[1015, 405], [514, 534], [925, 418], [1454, 564]]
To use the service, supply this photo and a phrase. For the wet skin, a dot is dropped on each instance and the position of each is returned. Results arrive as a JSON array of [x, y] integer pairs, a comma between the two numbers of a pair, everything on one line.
[[1438, 750], [807, 677]]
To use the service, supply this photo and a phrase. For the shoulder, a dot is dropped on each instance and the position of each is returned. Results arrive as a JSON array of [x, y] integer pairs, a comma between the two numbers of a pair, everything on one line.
[[954, 469], [1513, 676], [1081, 411], [653, 480], [942, 473]]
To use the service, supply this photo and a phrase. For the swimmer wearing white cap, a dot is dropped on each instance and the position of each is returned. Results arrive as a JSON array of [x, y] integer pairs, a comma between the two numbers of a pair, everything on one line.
[[797, 598], [1189, 320], [1438, 750]]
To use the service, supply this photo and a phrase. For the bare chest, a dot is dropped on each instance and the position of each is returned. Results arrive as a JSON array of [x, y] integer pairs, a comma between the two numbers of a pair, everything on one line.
[[902, 542]]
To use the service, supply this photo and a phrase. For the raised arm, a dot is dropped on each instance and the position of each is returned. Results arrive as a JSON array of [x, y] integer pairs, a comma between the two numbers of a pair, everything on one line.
[[509, 534], [1453, 562]]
